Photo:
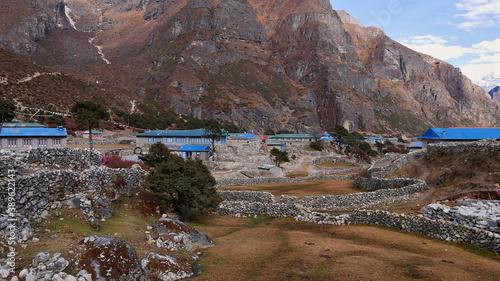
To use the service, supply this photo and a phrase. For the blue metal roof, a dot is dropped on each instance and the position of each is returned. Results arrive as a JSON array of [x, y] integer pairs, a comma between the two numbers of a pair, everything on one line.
[[415, 144], [33, 132], [292, 136], [274, 143], [23, 125], [461, 134], [195, 148], [175, 133], [246, 136]]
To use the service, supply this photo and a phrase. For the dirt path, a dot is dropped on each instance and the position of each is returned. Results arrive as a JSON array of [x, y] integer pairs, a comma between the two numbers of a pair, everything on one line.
[[29, 77]]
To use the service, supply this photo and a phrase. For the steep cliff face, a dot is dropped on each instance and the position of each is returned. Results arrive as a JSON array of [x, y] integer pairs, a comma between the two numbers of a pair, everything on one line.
[[432, 89], [277, 64], [495, 94]]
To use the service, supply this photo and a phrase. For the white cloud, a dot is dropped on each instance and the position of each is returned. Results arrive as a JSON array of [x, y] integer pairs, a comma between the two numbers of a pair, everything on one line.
[[490, 46], [479, 13], [443, 52], [426, 39], [495, 58], [485, 75]]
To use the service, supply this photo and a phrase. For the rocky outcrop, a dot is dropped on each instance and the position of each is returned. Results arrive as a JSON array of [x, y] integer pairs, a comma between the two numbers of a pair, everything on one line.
[[108, 259], [495, 94], [174, 235], [165, 268]]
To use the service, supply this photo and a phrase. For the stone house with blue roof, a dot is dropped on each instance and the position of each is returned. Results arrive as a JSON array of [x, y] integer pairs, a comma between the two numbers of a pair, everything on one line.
[[185, 143], [177, 137], [19, 137], [458, 134]]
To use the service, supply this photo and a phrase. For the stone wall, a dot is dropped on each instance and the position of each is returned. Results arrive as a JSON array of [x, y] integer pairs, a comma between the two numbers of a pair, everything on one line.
[[262, 203], [380, 172], [249, 196], [376, 184], [439, 229], [37, 192], [354, 200], [254, 181], [479, 214], [333, 159], [458, 147], [49, 158]]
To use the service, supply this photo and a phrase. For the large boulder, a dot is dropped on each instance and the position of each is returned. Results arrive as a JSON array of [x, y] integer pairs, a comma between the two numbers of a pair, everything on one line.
[[165, 268], [174, 234], [108, 259]]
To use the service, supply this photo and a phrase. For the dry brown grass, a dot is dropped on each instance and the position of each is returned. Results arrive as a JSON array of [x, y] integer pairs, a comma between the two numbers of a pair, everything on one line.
[[336, 165], [310, 188], [283, 249]]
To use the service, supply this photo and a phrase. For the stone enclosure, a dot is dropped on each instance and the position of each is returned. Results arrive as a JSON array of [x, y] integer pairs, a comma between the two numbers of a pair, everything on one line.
[[476, 224]]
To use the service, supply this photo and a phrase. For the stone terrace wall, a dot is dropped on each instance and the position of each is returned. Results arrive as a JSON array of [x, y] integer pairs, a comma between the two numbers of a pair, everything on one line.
[[262, 203], [457, 147], [354, 200], [376, 184], [439, 229], [251, 196], [380, 172], [478, 214], [254, 181], [333, 159], [37, 192], [45, 158]]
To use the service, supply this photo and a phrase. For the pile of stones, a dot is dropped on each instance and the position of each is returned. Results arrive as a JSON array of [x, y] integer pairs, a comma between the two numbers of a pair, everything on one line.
[[474, 213]]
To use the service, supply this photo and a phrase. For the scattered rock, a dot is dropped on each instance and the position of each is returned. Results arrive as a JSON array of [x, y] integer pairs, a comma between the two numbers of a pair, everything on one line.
[[175, 234], [165, 268]]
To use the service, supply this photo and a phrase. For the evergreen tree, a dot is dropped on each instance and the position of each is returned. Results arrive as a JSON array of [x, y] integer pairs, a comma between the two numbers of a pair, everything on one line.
[[6, 110], [279, 156], [89, 114], [186, 185], [213, 131]]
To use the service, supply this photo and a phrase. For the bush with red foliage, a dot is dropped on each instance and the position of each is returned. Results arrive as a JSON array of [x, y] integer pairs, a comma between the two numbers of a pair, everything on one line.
[[71, 132], [70, 125], [392, 149], [118, 162], [109, 127], [51, 126]]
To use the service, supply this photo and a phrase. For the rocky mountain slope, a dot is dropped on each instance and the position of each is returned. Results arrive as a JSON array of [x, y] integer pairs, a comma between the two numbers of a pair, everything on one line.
[[495, 94], [262, 64]]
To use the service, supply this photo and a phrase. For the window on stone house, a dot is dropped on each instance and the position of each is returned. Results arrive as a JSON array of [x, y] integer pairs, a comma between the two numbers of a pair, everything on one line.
[[27, 142], [11, 143], [42, 142], [56, 142]]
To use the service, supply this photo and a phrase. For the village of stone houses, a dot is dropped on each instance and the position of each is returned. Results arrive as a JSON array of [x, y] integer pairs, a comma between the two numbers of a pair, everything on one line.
[[211, 205]]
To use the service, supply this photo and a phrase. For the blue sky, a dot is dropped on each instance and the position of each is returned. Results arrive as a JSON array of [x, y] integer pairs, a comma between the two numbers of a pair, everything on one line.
[[465, 33]]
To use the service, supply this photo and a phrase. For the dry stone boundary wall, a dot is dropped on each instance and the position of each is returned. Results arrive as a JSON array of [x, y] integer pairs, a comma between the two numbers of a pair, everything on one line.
[[403, 159], [439, 229], [68, 176], [455, 228], [254, 181], [457, 147]]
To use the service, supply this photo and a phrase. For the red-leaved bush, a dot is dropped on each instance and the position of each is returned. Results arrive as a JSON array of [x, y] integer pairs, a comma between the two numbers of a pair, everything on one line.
[[116, 161], [71, 132]]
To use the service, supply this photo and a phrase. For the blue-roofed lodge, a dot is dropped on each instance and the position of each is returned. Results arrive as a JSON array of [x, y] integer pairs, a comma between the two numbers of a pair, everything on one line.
[[24, 137], [184, 137], [458, 134]]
